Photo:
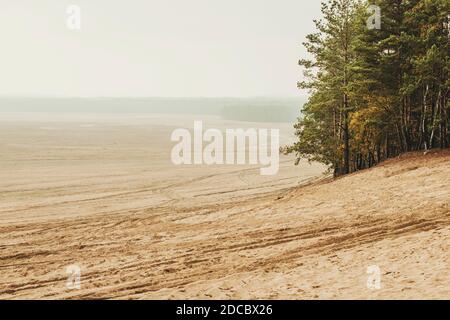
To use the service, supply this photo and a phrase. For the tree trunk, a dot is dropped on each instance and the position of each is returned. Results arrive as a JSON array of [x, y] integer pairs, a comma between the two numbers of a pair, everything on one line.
[[346, 137], [433, 119], [444, 120]]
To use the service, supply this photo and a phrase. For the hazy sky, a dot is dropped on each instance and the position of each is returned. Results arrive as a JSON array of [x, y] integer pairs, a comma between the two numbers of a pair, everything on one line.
[[173, 48]]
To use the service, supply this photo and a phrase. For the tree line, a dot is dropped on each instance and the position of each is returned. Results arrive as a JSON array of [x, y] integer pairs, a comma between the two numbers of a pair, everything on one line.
[[378, 82]]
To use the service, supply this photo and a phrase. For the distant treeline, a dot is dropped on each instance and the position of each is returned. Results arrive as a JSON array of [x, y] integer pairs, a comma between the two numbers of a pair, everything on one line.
[[377, 90], [113, 105], [244, 109], [261, 113]]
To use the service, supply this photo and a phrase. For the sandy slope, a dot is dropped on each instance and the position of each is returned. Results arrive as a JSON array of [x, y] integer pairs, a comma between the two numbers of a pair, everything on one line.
[[281, 242]]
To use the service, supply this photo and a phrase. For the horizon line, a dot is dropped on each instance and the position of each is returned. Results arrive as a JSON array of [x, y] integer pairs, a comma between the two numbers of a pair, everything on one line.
[[152, 97]]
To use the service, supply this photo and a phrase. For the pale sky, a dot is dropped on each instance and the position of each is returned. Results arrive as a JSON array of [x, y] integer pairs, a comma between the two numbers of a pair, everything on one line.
[[164, 48]]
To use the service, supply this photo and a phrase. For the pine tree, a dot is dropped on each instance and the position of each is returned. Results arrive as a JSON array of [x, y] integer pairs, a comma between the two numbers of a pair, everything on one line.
[[324, 131], [375, 93]]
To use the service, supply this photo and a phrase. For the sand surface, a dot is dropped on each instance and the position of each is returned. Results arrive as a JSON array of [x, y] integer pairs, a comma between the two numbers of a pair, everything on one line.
[[100, 192]]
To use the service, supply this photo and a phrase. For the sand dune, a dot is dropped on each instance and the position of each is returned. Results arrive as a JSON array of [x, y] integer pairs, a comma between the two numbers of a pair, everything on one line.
[[141, 232]]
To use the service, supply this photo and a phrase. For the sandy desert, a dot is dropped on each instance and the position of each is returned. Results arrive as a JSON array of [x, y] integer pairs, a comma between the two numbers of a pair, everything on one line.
[[100, 192]]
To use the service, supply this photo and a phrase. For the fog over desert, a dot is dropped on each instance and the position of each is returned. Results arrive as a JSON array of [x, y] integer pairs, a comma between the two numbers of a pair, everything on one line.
[[226, 155]]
